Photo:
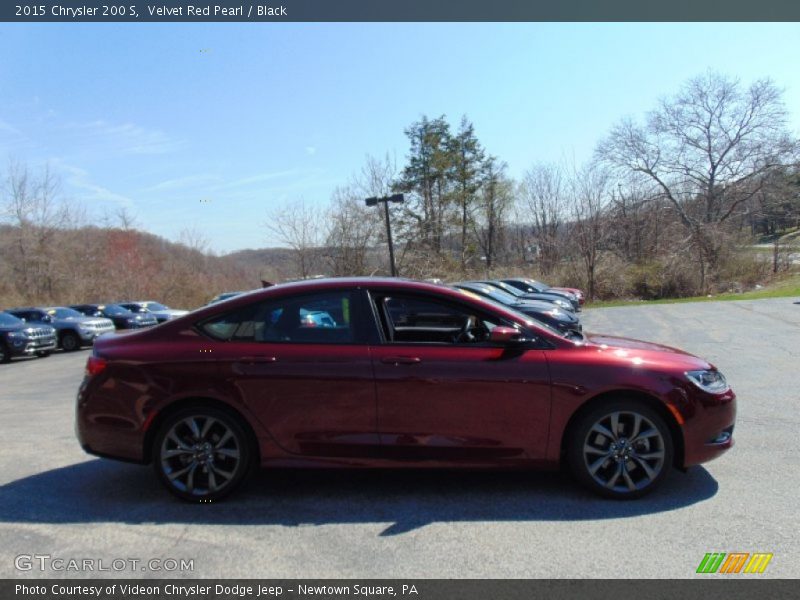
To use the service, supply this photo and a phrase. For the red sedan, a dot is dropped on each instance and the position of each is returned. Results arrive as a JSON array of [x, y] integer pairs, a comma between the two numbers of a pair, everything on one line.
[[394, 373]]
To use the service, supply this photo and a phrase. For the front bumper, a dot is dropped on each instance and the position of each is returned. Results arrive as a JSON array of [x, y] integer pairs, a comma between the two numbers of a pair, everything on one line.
[[708, 426], [88, 336], [30, 347]]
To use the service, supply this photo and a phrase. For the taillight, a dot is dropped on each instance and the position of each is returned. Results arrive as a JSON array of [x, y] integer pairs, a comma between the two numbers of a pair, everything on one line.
[[95, 365]]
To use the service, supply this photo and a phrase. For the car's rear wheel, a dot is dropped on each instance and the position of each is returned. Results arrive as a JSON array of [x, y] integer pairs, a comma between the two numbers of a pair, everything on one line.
[[621, 449], [70, 342], [201, 454]]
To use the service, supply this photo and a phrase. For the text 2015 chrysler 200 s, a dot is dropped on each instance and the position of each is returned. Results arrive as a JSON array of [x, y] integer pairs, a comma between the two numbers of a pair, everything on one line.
[[394, 373]]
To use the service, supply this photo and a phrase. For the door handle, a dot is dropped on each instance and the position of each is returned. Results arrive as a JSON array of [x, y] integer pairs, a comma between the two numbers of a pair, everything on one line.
[[401, 360]]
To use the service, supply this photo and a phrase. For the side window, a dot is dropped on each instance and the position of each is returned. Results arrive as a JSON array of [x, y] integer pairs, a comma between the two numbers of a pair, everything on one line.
[[314, 319], [409, 319]]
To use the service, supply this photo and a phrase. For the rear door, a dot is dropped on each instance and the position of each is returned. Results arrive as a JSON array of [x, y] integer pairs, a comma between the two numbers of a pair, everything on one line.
[[303, 368]]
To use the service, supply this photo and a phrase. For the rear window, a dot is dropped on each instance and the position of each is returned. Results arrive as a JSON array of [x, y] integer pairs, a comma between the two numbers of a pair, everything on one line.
[[315, 319]]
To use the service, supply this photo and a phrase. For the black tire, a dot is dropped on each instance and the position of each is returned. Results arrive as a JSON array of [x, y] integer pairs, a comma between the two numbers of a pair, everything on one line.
[[202, 454], [70, 341], [623, 464], [5, 355], [43, 353]]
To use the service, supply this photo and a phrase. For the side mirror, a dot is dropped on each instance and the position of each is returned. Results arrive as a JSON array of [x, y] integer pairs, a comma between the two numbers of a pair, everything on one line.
[[504, 335], [47, 319]]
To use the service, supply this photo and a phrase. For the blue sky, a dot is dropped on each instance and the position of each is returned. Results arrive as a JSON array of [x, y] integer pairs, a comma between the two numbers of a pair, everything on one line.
[[207, 126]]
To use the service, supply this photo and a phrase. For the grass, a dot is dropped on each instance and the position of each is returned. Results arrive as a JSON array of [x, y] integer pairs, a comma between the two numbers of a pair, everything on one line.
[[780, 289]]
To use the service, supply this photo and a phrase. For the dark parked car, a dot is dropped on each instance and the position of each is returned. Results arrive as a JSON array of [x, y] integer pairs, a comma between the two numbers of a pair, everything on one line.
[[546, 312], [532, 285], [564, 302], [73, 328], [224, 296], [121, 317], [410, 375], [18, 338], [159, 311]]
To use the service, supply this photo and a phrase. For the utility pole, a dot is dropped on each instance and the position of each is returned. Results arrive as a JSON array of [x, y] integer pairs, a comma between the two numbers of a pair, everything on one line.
[[385, 200]]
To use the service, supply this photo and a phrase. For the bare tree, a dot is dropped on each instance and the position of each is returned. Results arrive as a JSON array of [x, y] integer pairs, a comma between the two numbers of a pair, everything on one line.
[[708, 150], [298, 226], [496, 196], [543, 203], [353, 230], [588, 199], [31, 205]]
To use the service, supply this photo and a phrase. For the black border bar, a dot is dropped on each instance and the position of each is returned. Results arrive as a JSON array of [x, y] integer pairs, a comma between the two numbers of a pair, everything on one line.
[[701, 588], [398, 10]]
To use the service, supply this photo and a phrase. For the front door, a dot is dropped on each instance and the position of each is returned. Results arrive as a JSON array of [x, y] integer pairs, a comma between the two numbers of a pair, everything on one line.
[[447, 394]]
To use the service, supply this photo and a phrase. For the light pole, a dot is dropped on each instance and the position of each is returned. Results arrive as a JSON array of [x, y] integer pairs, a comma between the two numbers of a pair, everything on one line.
[[385, 200]]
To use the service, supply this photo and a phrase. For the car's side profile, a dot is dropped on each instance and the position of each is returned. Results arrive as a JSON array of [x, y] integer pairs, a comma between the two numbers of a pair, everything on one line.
[[18, 338], [73, 329], [160, 311], [121, 317], [394, 373]]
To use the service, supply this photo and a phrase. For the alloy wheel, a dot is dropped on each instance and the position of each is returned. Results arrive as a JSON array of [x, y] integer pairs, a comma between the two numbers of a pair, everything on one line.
[[624, 451], [621, 449], [202, 455]]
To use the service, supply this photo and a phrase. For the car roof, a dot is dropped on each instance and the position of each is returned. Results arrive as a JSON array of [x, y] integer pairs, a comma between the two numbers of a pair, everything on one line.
[[332, 283]]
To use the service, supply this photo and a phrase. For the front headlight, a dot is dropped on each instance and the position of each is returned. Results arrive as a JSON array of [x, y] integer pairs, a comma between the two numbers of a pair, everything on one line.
[[18, 335], [712, 382]]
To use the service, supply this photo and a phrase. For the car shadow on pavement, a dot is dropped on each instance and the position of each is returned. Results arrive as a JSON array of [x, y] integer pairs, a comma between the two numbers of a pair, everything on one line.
[[105, 491]]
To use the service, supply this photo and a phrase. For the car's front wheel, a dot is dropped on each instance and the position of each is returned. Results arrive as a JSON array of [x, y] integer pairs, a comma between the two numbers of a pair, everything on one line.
[[621, 449], [201, 454], [70, 342]]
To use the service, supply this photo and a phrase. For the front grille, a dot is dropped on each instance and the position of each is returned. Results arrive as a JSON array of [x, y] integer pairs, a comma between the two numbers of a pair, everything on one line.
[[100, 326], [36, 334]]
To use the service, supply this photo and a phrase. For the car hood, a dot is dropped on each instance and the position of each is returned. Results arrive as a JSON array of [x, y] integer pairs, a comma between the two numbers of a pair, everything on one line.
[[170, 312], [539, 311], [574, 291], [86, 320], [27, 328], [646, 352], [541, 305]]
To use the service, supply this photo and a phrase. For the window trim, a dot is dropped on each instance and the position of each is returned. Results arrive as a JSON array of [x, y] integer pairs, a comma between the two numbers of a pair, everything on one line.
[[379, 313], [356, 320]]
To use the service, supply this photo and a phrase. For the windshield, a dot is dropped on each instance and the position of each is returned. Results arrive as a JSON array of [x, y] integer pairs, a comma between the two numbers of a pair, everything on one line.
[[527, 319], [7, 320], [509, 289], [115, 310], [495, 294], [537, 285], [64, 313], [155, 306]]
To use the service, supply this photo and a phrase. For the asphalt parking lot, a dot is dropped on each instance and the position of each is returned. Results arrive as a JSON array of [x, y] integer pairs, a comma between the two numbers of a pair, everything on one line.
[[57, 501]]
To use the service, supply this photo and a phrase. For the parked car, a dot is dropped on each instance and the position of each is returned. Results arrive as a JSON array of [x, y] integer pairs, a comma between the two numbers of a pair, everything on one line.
[[18, 338], [73, 329], [532, 285], [161, 312], [546, 312], [224, 296], [121, 317], [411, 375], [562, 301]]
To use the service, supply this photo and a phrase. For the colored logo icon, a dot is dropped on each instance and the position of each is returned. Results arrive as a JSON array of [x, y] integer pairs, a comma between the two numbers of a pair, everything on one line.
[[734, 562]]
